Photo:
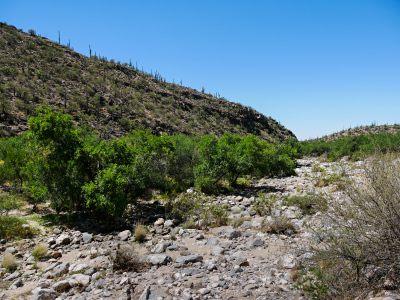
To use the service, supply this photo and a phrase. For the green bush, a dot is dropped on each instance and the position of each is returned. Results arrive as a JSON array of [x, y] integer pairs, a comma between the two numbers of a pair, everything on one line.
[[309, 204], [11, 227]]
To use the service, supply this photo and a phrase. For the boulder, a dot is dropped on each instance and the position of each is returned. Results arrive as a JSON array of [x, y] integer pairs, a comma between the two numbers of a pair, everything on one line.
[[189, 259], [255, 243], [87, 237], [63, 239], [157, 259], [233, 233], [44, 294], [125, 235]]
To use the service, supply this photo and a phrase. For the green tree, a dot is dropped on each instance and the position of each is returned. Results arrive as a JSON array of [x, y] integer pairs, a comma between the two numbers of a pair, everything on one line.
[[54, 171]]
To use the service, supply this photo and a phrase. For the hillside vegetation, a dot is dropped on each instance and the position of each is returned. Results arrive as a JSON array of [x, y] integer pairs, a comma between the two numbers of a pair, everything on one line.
[[108, 96], [355, 146], [360, 130]]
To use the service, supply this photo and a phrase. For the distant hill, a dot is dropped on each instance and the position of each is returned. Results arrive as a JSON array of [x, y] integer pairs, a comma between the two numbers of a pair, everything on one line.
[[360, 130], [110, 97]]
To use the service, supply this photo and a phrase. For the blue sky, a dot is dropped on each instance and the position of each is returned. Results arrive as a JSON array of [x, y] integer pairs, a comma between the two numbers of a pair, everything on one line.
[[316, 66]]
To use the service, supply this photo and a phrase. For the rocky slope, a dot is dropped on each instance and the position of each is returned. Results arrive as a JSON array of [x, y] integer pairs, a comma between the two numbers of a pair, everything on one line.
[[246, 262], [361, 130], [108, 96]]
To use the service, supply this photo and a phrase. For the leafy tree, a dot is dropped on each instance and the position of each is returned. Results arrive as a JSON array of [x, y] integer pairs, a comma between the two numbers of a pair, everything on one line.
[[54, 173], [14, 155], [128, 168]]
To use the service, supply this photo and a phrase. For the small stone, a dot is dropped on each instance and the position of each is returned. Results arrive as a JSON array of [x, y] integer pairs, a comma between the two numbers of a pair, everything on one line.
[[63, 239], [56, 254], [233, 233], [199, 236], [125, 235], [217, 251], [56, 231], [78, 267], [204, 291], [61, 285], [44, 294], [157, 259], [62, 269], [255, 243], [213, 242], [18, 283], [288, 262], [236, 209], [87, 237], [169, 223], [237, 269], [91, 271], [160, 247], [159, 222], [11, 250]]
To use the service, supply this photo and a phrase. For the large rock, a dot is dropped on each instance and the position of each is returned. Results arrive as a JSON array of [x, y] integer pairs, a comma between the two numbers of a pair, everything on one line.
[[87, 237], [44, 294], [189, 259], [157, 259], [83, 280], [61, 269], [61, 285], [159, 222], [125, 235], [161, 247], [233, 233], [217, 251], [63, 239], [78, 267], [255, 243], [151, 293], [169, 223]]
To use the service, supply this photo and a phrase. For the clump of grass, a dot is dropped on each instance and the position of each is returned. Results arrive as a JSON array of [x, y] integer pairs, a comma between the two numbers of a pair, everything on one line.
[[189, 224], [126, 260], [40, 251], [11, 226], [140, 232], [279, 225], [309, 204], [9, 262], [236, 222]]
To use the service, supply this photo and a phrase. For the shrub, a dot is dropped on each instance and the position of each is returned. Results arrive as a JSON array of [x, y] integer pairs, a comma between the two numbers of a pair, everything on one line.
[[236, 222], [279, 225], [309, 204], [11, 227], [361, 242], [39, 251], [126, 260], [9, 262], [263, 205]]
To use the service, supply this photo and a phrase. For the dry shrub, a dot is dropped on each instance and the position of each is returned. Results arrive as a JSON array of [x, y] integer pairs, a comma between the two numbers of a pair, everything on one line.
[[360, 251], [279, 225], [140, 232], [40, 251], [126, 260], [9, 262]]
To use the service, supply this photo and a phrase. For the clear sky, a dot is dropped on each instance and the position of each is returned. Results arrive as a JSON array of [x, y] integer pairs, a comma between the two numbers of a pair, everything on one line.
[[317, 66]]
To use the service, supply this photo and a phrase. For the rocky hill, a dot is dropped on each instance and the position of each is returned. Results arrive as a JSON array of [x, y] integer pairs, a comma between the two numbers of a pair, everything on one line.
[[108, 96], [361, 130]]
